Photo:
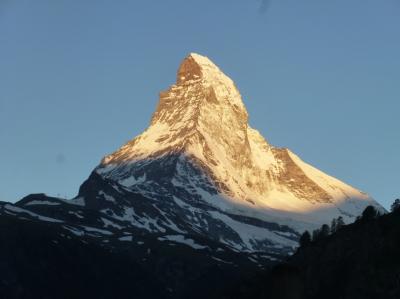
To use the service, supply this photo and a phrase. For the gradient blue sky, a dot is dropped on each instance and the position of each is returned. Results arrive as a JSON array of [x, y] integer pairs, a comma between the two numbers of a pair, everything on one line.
[[80, 78]]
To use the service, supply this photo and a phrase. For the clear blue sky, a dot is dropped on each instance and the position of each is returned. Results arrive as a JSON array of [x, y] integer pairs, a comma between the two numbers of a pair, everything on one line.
[[79, 78]]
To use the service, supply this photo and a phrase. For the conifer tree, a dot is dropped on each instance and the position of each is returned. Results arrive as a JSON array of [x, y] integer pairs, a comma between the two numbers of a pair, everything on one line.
[[324, 231], [305, 239], [316, 235], [369, 213], [395, 205], [333, 225], [339, 223]]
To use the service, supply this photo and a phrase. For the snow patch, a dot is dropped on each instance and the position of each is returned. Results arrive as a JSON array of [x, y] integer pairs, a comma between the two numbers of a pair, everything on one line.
[[126, 238], [18, 210], [183, 240], [42, 202]]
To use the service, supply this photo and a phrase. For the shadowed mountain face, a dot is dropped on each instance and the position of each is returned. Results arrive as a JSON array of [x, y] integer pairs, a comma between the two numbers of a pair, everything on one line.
[[199, 181], [40, 258]]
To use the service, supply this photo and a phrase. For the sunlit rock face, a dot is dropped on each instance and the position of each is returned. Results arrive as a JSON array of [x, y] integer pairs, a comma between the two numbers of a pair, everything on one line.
[[199, 151]]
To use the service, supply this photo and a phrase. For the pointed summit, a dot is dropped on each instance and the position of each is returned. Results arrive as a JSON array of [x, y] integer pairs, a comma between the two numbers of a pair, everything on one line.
[[204, 103], [195, 66], [199, 74], [201, 60], [199, 144]]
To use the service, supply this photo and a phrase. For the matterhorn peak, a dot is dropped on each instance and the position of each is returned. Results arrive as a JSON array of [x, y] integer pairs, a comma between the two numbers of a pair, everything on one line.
[[199, 140], [204, 103], [197, 70], [199, 182]]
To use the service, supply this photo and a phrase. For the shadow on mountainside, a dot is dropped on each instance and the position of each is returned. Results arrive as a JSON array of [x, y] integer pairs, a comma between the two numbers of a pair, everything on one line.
[[359, 261]]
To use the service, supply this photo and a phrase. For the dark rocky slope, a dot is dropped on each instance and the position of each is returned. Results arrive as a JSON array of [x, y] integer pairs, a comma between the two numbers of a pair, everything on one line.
[[37, 262], [41, 259]]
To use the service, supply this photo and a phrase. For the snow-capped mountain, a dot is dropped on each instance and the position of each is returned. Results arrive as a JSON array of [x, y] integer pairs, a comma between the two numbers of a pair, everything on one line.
[[202, 177], [198, 196], [201, 157]]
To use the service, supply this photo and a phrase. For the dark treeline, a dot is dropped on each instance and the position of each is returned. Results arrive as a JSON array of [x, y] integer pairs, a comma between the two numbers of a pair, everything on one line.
[[360, 260], [325, 230]]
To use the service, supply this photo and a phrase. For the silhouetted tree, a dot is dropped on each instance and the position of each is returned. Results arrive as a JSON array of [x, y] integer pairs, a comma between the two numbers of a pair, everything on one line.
[[339, 223], [333, 226], [305, 239], [324, 231], [316, 235], [395, 205], [369, 213], [321, 233]]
